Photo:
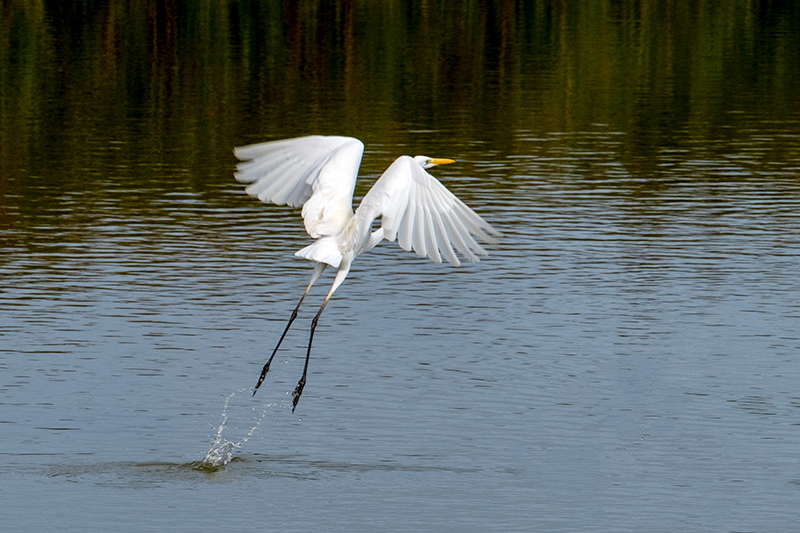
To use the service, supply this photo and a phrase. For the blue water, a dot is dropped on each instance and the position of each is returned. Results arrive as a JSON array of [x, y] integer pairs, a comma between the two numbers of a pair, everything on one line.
[[624, 360]]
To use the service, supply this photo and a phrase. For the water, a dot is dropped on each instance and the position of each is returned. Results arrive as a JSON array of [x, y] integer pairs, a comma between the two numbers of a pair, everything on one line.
[[625, 359]]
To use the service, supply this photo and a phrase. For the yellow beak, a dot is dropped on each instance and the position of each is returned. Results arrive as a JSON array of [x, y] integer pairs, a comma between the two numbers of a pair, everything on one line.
[[442, 161]]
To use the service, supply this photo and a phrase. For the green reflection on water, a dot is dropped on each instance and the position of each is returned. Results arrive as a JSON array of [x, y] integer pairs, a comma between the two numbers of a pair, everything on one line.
[[163, 89]]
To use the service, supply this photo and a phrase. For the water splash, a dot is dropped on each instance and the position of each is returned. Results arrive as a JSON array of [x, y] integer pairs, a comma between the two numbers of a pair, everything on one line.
[[221, 451]]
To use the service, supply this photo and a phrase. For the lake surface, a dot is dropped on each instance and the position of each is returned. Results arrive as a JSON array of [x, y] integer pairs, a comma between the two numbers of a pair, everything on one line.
[[625, 359]]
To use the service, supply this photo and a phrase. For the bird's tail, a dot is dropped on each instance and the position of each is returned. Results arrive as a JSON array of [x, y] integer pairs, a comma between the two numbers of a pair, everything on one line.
[[323, 250]]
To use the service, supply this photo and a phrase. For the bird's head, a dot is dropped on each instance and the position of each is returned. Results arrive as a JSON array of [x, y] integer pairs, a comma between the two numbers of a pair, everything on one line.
[[428, 162]]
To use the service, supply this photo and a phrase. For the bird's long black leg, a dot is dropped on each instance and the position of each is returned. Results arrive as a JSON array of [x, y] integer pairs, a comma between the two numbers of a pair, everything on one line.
[[269, 361], [302, 383], [317, 272], [344, 268]]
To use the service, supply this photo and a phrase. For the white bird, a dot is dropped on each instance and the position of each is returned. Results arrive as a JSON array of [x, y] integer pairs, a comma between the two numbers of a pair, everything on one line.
[[319, 173]]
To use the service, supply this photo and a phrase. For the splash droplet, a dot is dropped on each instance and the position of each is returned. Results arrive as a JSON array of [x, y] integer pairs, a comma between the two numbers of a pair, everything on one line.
[[222, 450]]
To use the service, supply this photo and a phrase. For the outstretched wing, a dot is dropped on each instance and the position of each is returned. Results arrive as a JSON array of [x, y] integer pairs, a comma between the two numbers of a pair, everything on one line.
[[317, 172], [423, 215]]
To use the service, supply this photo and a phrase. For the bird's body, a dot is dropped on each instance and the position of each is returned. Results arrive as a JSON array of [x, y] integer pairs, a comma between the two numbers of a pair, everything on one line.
[[319, 173]]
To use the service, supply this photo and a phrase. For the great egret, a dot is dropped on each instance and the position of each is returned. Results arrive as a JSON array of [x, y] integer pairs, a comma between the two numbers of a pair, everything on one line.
[[319, 173]]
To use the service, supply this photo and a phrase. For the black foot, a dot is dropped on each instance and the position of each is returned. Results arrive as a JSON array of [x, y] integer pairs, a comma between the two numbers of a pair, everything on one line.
[[261, 377], [297, 392]]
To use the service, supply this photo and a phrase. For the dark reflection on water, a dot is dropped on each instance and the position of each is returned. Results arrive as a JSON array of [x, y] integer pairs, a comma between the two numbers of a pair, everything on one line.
[[624, 360], [141, 475]]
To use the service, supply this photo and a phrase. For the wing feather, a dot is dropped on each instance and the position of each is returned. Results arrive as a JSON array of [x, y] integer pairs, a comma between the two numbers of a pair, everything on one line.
[[443, 238], [417, 210], [456, 232], [317, 172], [452, 235], [431, 242], [402, 229], [418, 232]]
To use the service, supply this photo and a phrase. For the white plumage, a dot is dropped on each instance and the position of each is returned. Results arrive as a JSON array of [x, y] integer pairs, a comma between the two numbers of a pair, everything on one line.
[[319, 173]]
